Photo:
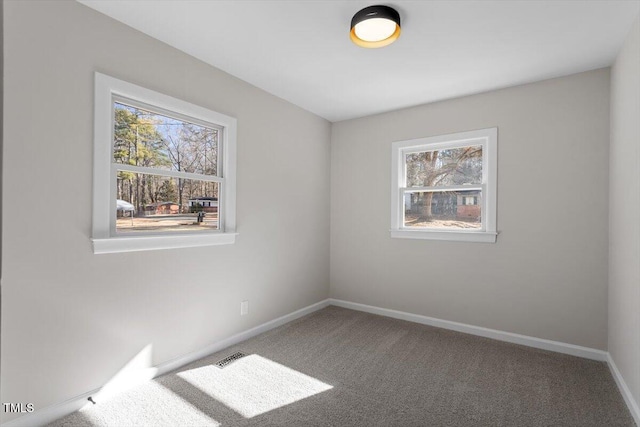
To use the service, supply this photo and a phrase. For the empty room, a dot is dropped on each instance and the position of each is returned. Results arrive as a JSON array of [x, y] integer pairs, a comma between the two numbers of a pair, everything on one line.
[[320, 213]]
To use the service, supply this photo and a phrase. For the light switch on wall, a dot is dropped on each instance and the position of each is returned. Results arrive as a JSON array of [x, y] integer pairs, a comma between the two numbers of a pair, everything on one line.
[[244, 308]]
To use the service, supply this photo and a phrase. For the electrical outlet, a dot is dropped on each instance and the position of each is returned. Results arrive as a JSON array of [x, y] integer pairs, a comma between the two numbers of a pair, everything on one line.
[[244, 308]]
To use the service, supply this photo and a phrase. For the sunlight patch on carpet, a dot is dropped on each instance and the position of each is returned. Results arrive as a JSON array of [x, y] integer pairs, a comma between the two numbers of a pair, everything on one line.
[[148, 404], [254, 385]]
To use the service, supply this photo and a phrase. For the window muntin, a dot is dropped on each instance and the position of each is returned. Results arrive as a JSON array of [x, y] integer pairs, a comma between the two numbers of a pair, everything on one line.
[[445, 187], [177, 156]]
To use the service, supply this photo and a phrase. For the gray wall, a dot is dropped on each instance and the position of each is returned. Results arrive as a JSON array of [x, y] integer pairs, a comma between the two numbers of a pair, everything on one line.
[[1, 150], [72, 319], [547, 274], [1, 133], [624, 214]]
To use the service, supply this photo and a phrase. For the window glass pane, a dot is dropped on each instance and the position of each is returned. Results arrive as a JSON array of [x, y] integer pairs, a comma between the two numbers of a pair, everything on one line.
[[443, 209], [453, 166], [155, 203], [143, 138]]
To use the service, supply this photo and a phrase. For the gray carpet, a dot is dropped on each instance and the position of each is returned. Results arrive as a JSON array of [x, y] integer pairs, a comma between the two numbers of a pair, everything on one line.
[[339, 367]]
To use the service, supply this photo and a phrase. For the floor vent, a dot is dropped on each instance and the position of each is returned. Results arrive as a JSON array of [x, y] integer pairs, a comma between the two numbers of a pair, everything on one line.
[[229, 359]]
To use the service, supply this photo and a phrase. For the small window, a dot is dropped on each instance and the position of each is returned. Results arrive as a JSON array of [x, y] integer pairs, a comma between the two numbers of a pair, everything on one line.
[[444, 187], [159, 164], [469, 200]]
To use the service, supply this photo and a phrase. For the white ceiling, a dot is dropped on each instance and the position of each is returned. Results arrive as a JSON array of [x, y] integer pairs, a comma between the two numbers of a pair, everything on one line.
[[300, 50]]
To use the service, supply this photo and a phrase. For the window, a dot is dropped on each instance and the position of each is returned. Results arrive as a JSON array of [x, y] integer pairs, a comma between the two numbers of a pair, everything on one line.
[[444, 187], [164, 171], [470, 200]]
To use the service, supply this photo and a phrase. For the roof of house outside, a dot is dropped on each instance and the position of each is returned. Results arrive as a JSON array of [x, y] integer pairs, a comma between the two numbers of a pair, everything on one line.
[[204, 198]]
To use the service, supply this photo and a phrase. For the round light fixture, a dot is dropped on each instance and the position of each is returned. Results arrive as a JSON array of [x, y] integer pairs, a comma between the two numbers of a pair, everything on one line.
[[375, 26]]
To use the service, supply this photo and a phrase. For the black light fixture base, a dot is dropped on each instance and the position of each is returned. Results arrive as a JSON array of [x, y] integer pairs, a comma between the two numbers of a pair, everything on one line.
[[373, 12]]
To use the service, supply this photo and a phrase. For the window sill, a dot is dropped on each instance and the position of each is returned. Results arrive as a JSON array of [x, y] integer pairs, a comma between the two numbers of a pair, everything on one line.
[[148, 243], [455, 236]]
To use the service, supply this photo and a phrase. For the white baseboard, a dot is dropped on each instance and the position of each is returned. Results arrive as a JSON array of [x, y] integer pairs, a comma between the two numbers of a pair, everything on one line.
[[51, 413], [555, 346], [558, 347], [624, 390], [242, 336]]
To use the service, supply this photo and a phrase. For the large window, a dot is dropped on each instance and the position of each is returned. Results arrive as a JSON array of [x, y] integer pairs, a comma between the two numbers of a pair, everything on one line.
[[444, 187], [164, 171]]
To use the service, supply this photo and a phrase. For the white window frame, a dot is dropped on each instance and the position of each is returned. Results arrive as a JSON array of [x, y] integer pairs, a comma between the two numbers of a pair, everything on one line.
[[488, 139], [104, 237]]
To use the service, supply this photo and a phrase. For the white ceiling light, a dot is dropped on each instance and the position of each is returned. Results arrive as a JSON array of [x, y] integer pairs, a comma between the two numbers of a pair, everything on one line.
[[375, 26]]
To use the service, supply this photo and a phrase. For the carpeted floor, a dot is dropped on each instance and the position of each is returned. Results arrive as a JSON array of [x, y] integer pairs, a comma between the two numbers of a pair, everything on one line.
[[338, 367]]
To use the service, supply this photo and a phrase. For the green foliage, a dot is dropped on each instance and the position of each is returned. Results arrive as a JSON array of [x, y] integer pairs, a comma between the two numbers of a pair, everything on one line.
[[168, 191], [196, 208], [137, 141]]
